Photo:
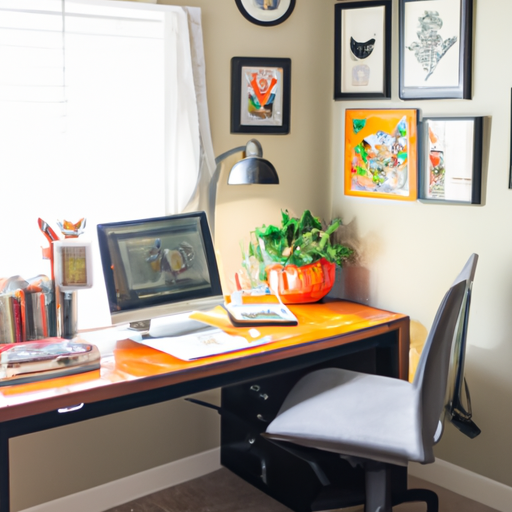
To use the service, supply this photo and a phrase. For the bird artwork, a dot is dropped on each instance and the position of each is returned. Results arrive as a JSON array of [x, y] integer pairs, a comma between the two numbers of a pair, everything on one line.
[[361, 50], [430, 47]]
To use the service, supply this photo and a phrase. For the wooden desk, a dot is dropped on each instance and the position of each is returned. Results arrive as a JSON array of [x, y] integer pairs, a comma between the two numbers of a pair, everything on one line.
[[133, 375]]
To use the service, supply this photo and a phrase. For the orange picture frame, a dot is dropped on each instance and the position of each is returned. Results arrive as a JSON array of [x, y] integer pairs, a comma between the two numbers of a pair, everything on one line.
[[381, 153]]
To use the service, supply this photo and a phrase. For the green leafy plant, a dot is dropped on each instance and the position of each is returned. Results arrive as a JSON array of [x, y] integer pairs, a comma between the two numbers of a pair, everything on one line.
[[297, 242]]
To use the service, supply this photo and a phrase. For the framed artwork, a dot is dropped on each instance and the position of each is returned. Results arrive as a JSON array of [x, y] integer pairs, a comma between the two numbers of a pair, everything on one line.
[[435, 49], [266, 12], [362, 50], [260, 95], [451, 161], [381, 153]]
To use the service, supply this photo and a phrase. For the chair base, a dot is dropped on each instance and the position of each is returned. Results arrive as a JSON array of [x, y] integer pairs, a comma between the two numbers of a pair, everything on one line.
[[385, 485]]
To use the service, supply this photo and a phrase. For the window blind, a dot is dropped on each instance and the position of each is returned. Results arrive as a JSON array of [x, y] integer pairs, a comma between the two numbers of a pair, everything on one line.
[[84, 92]]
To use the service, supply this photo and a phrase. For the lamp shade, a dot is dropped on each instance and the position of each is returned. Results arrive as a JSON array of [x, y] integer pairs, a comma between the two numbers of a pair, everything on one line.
[[246, 166], [253, 169]]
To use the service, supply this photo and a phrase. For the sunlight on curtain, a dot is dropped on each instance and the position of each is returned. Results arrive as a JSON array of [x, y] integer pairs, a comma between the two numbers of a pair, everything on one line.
[[182, 117], [200, 198], [98, 119]]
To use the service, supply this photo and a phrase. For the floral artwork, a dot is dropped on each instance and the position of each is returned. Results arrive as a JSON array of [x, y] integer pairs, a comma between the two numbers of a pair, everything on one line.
[[435, 49], [430, 47], [381, 153]]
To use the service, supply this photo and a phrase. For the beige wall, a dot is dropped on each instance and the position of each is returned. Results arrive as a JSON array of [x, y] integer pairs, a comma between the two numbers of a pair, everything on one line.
[[413, 250], [48, 465], [54, 463], [302, 157]]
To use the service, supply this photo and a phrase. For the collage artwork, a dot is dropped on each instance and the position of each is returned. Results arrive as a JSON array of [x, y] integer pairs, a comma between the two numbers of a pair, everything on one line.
[[380, 153]]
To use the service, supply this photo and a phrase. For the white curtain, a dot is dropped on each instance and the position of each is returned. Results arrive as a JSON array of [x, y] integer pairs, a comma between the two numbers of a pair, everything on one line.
[[102, 116], [200, 198], [182, 155]]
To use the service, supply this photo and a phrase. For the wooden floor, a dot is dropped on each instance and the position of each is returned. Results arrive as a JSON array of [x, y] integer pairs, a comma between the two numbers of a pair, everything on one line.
[[222, 491]]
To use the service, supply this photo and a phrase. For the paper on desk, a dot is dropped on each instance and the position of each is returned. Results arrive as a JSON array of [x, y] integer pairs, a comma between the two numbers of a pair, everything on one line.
[[202, 344]]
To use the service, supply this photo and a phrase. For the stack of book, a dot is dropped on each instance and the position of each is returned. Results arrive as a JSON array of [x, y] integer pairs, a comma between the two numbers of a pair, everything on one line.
[[27, 309]]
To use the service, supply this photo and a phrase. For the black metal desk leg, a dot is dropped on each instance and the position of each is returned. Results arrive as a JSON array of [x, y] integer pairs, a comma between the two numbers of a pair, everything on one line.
[[4, 471]]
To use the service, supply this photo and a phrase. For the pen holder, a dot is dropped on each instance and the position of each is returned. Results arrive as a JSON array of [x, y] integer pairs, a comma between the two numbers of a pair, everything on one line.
[[67, 313]]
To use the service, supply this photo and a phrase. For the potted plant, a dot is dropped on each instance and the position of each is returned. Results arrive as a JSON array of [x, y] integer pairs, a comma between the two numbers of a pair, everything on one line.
[[297, 260]]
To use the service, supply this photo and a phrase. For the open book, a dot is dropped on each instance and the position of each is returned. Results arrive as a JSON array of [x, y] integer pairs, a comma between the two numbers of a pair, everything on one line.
[[245, 309]]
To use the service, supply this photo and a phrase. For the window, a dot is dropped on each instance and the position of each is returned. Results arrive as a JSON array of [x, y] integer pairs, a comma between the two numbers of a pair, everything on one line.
[[90, 124]]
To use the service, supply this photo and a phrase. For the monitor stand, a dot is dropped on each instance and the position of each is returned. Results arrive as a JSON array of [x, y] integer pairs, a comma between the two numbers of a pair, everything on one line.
[[142, 325]]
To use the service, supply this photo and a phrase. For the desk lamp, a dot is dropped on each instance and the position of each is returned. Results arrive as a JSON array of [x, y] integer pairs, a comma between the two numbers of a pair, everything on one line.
[[246, 166]]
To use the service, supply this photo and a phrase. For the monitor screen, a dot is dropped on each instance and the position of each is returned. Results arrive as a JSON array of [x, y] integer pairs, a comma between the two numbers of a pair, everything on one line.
[[159, 266]]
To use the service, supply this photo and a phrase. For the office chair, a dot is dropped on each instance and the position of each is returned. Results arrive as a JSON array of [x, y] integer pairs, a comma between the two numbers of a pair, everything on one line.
[[382, 423]]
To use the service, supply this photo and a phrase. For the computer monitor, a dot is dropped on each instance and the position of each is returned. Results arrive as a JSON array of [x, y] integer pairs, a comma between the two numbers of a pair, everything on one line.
[[158, 267]]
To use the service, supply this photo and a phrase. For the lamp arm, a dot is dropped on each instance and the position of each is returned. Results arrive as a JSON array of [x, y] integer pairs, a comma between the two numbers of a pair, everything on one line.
[[214, 182]]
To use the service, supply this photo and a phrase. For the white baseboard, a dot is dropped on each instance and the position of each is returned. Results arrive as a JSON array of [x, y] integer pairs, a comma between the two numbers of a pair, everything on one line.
[[462, 481], [132, 487]]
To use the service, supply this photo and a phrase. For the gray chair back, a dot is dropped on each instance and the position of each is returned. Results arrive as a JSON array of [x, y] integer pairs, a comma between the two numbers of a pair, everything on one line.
[[448, 331], [455, 411]]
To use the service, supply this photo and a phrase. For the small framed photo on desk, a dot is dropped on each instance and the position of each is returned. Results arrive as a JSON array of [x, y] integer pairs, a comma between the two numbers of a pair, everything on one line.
[[73, 264]]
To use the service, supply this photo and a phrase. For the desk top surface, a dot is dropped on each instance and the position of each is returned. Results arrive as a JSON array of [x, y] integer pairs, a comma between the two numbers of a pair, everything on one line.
[[128, 367]]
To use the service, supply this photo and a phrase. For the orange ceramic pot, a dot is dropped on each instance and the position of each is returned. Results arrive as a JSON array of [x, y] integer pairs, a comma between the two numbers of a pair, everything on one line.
[[299, 285]]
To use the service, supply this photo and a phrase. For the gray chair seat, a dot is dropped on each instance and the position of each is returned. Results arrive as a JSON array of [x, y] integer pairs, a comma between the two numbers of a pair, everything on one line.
[[354, 414]]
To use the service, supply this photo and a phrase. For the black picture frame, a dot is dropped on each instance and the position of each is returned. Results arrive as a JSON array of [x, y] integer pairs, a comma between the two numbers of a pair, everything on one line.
[[510, 173], [362, 50], [451, 160], [450, 77], [278, 11], [247, 115]]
